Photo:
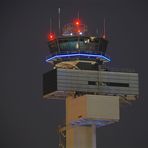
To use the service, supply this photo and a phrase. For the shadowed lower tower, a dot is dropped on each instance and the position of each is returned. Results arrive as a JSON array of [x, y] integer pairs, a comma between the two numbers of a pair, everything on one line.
[[80, 77]]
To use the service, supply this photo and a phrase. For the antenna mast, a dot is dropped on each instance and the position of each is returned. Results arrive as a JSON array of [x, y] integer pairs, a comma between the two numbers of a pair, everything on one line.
[[78, 15], [104, 29], [59, 17], [50, 24]]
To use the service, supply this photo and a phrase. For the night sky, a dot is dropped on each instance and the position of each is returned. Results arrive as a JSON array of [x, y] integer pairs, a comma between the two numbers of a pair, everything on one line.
[[28, 121]]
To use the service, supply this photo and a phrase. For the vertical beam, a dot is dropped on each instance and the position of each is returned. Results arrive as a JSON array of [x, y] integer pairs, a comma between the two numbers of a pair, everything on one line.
[[94, 142], [78, 136]]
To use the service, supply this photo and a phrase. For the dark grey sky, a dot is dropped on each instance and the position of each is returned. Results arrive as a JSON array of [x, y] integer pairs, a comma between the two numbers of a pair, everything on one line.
[[26, 120]]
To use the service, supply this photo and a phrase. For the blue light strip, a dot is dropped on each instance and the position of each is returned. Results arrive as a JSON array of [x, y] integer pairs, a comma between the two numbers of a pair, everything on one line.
[[77, 54]]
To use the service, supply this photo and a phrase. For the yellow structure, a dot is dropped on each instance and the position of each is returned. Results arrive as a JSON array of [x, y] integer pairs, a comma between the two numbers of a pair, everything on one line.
[[84, 114]]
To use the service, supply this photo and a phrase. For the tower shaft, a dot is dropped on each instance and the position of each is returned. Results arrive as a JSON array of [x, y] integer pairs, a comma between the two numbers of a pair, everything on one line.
[[78, 136]]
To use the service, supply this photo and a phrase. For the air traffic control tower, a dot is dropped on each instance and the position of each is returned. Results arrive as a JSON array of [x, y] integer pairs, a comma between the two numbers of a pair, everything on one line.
[[92, 92]]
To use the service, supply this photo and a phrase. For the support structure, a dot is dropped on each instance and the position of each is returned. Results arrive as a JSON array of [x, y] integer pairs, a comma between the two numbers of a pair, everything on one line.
[[84, 114], [78, 136]]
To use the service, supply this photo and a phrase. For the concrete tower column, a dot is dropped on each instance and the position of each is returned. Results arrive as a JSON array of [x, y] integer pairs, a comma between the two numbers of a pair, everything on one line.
[[78, 136]]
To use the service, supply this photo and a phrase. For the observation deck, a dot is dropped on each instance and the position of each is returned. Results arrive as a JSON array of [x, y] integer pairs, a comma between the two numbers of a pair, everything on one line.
[[77, 48]]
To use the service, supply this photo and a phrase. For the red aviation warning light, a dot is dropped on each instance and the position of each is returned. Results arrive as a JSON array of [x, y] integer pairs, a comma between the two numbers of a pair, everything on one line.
[[76, 27], [51, 36], [77, 22]]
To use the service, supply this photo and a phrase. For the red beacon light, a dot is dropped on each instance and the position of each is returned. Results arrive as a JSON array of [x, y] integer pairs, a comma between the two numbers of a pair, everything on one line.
[[77, 22], [51, 36]]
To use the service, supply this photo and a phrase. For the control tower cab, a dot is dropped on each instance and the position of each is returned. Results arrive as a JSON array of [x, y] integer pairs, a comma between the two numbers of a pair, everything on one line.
[[75, 45]]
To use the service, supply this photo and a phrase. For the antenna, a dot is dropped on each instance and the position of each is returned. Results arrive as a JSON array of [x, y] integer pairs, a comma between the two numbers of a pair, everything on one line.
[[104, 29], [50, 24], [59, 18], [78, 15], [97, 31]]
